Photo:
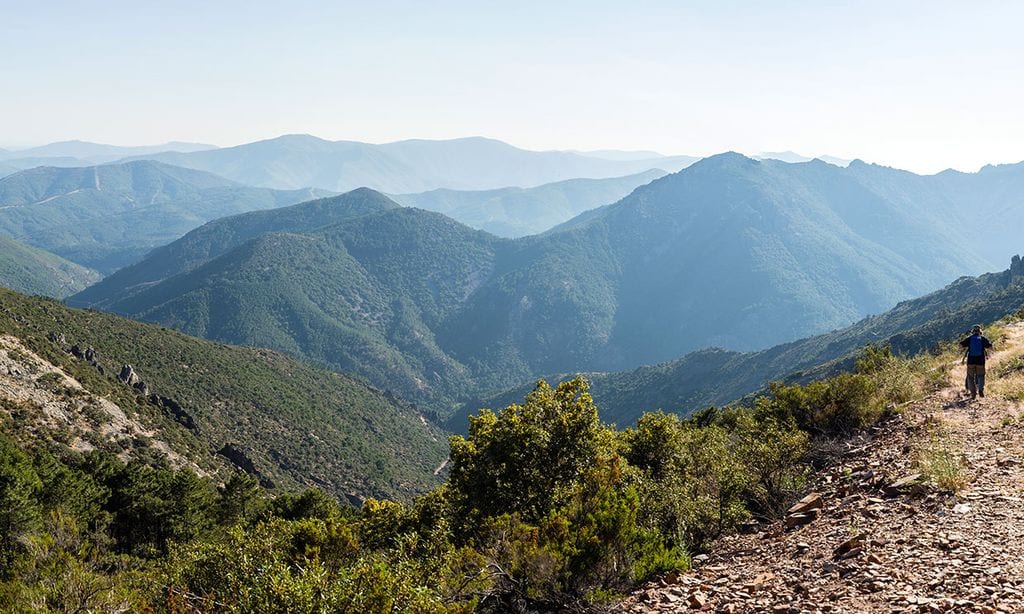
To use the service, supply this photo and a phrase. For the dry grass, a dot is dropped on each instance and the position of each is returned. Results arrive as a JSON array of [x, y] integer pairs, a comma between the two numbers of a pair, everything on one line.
[[941, 460]]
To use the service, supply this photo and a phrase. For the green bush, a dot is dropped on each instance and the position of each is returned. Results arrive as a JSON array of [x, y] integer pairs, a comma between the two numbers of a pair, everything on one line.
[[833, 407], [528, 458], [689, 477], [894, 377]]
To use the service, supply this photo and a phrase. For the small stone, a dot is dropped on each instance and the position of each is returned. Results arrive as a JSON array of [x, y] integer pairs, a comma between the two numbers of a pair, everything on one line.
[[855, 542], [810, 502], [697, 600], [799, 520], [906, 485]]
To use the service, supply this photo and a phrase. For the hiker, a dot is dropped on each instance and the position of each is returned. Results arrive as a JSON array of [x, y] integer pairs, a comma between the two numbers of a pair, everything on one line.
[[976, 348]]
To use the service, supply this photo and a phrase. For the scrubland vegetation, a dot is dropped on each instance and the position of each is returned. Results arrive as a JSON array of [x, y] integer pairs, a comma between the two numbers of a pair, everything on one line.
[[545, 508]]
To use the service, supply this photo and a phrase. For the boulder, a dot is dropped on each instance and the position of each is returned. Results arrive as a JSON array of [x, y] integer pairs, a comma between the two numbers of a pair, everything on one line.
[[174, 409], [128, 375]]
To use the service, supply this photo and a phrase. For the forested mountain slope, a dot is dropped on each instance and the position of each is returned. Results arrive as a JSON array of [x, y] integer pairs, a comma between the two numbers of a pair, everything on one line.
[[214, 406], [731, 252], [716, 376], [33, 271]]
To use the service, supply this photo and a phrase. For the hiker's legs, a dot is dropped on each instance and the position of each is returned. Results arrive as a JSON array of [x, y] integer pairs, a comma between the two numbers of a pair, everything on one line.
[[972, 380], [979, 377]]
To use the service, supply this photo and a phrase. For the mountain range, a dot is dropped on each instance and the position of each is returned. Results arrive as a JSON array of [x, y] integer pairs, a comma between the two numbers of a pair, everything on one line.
[[730, 252], [475, 163], [84, 153], [517, 212], [104, 217], [793, 157]]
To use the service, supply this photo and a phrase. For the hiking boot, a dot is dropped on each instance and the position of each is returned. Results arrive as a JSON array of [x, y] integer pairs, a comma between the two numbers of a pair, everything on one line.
[[981, 393], [974, 395]]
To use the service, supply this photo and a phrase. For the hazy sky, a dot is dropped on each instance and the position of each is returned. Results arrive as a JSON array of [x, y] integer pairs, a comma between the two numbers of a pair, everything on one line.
[[919, 85]]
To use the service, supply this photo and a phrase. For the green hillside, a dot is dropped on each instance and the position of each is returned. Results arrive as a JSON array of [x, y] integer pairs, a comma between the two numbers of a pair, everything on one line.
[[717, 376], [106, 217], [517, 212], [34, 271], [297, 425], [219, 236], [730, 252]]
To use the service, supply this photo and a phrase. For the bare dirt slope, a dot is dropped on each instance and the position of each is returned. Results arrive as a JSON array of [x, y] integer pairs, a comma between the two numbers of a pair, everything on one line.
[[877, 546]]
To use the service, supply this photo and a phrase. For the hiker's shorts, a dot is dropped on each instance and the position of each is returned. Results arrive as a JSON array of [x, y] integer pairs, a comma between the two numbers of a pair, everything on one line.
[[975, 379]]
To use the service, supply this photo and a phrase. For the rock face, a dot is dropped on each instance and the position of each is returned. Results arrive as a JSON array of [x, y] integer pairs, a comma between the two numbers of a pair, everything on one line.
[[128, 375], [1016, 268], [240, 459]]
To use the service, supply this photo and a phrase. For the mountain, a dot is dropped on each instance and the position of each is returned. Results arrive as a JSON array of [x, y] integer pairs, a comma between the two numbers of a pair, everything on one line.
[[296, 161], [730, 252], [717, 377], [105, 217], [213, 407], [364, 295], [33, 271], [222, 235], [20, 164], [517, 212], [96, 153], [794, 158]]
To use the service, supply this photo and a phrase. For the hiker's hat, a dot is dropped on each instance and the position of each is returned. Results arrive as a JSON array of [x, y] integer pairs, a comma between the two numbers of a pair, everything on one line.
[[976, 329]]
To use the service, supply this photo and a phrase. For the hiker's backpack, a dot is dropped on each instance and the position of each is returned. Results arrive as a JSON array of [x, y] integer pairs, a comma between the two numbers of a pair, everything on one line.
[[977, 346]]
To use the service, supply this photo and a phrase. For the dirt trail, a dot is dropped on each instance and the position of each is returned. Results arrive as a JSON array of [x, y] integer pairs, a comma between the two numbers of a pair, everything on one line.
[[916, 550]]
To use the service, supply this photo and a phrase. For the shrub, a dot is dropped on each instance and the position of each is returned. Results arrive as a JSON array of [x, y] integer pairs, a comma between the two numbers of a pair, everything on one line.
[[528, 458], [941, 462], [690, 480], [893, 376], [583, 552], [832, 407]]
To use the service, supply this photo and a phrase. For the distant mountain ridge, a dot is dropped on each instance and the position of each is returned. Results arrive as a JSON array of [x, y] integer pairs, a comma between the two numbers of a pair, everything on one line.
[[730, 252], [517, 212], [416, 165], [795, 158], [107, 216], [86, 153]]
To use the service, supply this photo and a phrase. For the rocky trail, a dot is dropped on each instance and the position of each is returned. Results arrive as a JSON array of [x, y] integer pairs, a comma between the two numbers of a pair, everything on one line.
[[873, 534]]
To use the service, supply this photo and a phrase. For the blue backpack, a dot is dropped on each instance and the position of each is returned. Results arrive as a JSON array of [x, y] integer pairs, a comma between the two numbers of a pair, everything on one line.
[[977, 346]]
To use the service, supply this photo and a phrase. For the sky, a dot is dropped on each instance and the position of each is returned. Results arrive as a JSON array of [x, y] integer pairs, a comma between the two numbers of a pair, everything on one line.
[[918, 85]]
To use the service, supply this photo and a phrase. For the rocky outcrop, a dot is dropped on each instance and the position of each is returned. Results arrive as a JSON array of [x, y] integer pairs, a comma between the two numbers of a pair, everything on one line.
[[131, 378], [241, 460], [175, 411], [128, 375]]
